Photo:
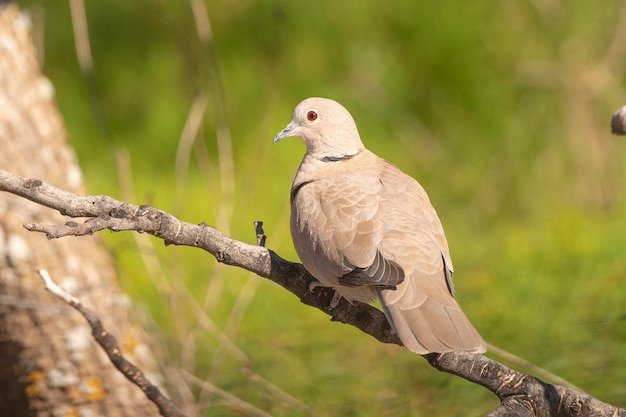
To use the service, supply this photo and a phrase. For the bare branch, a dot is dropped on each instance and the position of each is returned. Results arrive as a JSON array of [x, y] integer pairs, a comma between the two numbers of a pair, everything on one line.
[[109, 345], [520, 394], [108, 213]]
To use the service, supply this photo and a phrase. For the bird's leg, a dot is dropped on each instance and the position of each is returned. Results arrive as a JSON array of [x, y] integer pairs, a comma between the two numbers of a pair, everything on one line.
[[336, 296], [335, 300]]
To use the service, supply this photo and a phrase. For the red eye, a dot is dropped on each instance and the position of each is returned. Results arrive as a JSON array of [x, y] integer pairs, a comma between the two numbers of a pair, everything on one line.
[[311, 116]]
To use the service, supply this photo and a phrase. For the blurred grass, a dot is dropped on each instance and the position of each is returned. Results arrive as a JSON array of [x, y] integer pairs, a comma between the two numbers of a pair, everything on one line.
[[501, 110]]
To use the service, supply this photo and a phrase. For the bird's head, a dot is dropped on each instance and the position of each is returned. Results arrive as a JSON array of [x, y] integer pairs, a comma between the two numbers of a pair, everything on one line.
[[326, 127]]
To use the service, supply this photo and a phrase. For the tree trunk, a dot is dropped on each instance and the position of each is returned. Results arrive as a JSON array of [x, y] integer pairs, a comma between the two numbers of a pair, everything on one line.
[[49, 363]]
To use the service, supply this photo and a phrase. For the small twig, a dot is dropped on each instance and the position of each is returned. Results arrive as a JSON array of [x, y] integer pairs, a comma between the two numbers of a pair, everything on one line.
[[260, 234], [111, 348], [52, 287]]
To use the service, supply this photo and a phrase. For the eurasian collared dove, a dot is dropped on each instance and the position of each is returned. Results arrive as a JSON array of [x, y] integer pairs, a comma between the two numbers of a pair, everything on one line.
[[363, 227]]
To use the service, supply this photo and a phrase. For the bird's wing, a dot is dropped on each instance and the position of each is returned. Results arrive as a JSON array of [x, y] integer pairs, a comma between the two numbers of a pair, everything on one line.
[[337, 231], [422, 309]]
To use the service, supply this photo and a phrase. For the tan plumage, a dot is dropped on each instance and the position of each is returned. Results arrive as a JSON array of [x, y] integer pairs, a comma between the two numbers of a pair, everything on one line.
[[363, 227]]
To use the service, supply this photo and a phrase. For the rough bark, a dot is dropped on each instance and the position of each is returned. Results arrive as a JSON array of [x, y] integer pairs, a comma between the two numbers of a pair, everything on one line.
[[50, 364]]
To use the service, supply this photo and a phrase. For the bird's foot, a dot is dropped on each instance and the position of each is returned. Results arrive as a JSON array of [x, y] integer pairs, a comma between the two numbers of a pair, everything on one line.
[[314, 284], [336, 296]]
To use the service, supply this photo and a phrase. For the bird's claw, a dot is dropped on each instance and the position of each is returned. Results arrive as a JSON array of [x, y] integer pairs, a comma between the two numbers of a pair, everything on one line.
[[336, 296], [314, 284]]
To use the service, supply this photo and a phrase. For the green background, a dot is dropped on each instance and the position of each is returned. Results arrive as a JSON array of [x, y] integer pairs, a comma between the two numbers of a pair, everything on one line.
[[500, 109]]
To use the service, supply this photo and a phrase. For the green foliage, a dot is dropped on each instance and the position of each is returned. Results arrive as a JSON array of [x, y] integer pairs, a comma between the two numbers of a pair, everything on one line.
[[500, 109]]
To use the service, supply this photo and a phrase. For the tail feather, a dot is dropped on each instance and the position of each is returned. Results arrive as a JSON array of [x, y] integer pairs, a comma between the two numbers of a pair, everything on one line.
[[433, 328]]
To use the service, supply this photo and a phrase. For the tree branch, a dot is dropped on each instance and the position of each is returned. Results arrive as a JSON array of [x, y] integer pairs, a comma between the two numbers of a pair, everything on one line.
[[520, 394], [108, 343]]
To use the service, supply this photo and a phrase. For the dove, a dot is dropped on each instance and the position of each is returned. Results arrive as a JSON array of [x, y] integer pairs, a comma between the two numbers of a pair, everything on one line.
[[363, 227]]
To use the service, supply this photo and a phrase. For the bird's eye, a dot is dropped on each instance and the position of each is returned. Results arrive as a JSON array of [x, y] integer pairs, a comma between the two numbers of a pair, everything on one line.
[[311, 116]]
